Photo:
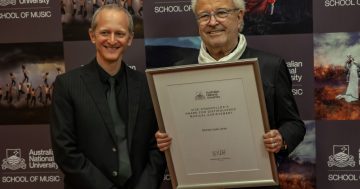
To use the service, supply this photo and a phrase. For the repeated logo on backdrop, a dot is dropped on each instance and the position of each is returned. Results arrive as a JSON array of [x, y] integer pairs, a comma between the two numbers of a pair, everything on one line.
[[24, 165], [343, 164], [27, 161], [13, 160], [341, 157], [7, 2], [338, 159]]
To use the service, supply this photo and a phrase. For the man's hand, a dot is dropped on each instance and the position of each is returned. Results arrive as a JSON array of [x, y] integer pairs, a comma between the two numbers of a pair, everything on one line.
[[273, 141], [163, 140]]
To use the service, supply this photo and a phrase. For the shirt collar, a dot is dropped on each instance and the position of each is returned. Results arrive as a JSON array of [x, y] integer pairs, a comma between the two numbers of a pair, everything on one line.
[[104, 75]]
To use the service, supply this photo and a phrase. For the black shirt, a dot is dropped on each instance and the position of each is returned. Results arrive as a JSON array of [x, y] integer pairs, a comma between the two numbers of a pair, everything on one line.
[[120, 89]]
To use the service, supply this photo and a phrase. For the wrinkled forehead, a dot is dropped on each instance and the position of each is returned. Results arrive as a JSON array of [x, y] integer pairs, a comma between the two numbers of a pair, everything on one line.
[[112, 17], [107, 14], [110, 14], [211, 5]]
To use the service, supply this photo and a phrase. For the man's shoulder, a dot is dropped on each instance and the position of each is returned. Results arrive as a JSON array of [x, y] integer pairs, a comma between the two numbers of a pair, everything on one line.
[[268, 62], [261, 55], [135, 75], [74, 73], [191, 58], [132, 71]]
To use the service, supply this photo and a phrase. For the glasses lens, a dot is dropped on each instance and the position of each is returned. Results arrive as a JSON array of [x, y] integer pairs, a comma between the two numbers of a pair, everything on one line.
[[218, 14], [204, 17], [221, 13]]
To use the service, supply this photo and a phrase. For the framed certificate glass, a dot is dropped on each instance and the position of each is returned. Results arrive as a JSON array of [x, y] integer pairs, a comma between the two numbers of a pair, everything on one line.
[[216, 116]]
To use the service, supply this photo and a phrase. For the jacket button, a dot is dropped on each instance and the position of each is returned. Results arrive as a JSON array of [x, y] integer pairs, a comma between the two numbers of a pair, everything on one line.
[[114, 173], [114, 149]]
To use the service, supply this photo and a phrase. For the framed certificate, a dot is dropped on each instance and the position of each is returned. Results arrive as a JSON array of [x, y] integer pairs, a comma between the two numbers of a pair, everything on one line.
[[216, 116]]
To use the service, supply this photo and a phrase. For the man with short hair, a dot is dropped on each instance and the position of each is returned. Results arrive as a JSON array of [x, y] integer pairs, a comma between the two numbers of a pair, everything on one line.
[[103, 121], [220, 23]]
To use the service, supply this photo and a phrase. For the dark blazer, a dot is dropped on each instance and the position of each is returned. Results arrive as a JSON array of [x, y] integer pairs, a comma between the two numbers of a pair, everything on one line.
[[280, 104], [83, 135]]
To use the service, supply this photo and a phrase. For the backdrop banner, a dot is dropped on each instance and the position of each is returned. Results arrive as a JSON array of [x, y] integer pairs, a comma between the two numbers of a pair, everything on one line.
[[320, 41]]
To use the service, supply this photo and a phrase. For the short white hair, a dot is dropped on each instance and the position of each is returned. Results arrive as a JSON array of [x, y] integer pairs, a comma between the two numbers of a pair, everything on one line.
[[240, 4]]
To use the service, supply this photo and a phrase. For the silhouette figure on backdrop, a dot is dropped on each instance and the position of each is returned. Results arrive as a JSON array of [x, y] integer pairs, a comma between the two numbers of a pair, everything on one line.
[[26, 74], [352, 75], [45, 78], [12, 78]]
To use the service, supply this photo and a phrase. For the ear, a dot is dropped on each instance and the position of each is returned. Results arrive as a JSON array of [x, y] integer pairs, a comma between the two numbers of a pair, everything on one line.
[[92, 35], [131, 37], [241, 19]]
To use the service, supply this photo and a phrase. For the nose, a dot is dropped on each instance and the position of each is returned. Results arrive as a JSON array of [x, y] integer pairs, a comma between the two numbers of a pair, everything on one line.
[[212, 20], [112, 37]]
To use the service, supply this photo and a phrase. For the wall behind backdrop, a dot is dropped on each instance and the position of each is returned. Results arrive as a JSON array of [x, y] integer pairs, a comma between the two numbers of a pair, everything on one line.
[[40, 39]]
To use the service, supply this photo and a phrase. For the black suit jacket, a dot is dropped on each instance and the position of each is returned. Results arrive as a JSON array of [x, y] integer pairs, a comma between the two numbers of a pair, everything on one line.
[[280, 104], [83, 135]]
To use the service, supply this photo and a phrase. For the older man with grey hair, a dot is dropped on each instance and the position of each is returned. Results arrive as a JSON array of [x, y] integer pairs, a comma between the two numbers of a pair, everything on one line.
[[220, 23]]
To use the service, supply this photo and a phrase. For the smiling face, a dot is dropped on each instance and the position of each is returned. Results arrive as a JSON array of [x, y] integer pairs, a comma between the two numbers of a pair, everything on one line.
[[219, 34], [111, 35]]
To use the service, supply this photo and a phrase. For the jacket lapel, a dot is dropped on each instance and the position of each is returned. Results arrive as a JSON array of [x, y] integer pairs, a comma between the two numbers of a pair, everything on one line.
[[133, 97], [90, 77]]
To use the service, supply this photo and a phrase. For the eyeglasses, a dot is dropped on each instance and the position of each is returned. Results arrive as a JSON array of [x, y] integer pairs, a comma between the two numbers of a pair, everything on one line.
[[219, 14], [108, 34]]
